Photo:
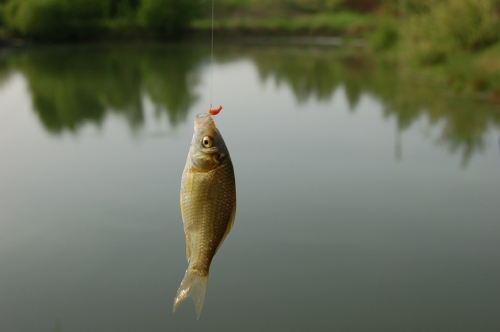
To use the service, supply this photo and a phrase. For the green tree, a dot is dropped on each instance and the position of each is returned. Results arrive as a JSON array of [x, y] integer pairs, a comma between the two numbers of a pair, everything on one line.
[[166, 18], [55, 19]]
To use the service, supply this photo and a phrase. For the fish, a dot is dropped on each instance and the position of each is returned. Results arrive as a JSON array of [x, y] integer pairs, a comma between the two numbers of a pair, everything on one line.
[[208, 205]]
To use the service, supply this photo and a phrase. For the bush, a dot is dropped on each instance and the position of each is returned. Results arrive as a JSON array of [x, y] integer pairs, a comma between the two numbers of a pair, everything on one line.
[[313, 6], [386, 34], [2, 6], [123, 8], [167, 17], [448, 26], [55, 19]]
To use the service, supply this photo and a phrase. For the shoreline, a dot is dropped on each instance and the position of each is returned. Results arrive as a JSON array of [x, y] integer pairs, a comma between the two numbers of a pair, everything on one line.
[[197, 35], [13, 42]]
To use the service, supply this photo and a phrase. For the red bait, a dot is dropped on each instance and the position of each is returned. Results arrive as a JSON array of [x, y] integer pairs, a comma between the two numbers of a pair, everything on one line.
[[214, 111]]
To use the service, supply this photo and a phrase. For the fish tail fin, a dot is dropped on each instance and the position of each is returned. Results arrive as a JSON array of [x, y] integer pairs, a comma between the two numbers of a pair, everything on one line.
[[195, 286]]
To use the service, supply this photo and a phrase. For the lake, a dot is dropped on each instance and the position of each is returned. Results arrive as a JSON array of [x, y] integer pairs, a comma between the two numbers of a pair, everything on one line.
[[368, 199]]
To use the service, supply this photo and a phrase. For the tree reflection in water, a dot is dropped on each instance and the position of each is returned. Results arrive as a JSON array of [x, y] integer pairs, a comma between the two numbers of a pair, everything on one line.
[[74, 85], [318, 73], [4, 69]]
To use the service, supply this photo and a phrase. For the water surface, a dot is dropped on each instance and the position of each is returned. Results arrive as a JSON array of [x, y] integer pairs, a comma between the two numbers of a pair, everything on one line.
[[367, 200]]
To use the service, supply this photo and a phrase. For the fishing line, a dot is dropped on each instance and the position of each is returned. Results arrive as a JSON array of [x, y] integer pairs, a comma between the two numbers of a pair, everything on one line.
[[212, 58]]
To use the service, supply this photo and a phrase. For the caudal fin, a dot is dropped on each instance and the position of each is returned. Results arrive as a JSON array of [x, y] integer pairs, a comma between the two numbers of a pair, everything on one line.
[[195, 286]]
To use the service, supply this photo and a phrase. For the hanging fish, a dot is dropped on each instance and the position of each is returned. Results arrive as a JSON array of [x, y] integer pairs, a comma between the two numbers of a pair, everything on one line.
[[208, 205]]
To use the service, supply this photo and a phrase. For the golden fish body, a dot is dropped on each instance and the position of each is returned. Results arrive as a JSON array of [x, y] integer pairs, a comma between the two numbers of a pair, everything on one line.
[[208, 206]]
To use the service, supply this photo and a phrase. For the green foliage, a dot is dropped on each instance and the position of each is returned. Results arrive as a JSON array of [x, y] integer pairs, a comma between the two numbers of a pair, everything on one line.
[[123, 8], [123, 20], [5, 70], [444, 27], [229, 5], [475, 73], [459, 40], [55, 19], [167, 17], [74, 19], [266, 8], [2, 9], [349, 23], [466, 75], [314, 6], [386, 34]]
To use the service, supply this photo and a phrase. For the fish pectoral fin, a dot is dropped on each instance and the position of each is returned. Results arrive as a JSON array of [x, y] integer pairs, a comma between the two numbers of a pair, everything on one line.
[[228, 229]]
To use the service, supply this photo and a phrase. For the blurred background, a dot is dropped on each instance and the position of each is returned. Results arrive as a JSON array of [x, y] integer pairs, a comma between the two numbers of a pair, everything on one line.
[[365, 137], [458, 39]]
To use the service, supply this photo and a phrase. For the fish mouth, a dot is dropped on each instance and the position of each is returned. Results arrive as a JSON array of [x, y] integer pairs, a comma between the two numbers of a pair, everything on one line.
[[203, 120]]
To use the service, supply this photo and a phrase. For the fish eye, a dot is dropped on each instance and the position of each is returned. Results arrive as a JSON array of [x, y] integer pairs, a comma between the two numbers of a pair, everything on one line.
[[207, 141]]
